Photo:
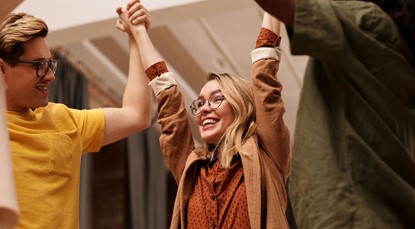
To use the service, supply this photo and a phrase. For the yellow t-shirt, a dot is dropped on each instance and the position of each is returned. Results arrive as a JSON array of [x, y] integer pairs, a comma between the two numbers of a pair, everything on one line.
[[47, 145]]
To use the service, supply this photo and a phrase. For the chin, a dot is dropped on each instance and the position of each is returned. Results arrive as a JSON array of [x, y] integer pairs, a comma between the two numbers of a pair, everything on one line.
[[210, 136]]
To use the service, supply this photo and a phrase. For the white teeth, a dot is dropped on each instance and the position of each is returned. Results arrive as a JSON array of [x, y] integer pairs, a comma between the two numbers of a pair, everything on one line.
[[42, 88], [209, 121]]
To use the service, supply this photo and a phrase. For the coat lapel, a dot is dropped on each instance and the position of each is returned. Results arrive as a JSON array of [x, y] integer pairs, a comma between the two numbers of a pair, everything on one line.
[[252, 175]]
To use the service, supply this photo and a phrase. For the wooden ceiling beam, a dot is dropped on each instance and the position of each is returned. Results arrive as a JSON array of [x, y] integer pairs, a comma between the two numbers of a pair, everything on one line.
[[7, 6]]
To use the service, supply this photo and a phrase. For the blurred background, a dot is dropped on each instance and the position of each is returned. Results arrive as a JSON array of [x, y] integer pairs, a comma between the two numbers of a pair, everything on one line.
[[127, 184]]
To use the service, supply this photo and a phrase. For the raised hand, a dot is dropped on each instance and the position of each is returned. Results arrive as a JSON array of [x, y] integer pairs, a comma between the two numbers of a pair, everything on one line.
[[138, 14], [122, 23], [133, 14]]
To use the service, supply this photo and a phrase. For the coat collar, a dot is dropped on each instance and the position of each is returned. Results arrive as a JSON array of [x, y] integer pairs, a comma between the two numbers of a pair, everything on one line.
[[252, 175]]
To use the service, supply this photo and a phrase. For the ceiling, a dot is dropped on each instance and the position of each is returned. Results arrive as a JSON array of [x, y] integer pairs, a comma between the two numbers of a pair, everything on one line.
[[194, 37]]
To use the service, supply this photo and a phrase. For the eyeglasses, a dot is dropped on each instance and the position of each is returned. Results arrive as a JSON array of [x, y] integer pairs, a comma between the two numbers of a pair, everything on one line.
[[42, 66], [214, 102]]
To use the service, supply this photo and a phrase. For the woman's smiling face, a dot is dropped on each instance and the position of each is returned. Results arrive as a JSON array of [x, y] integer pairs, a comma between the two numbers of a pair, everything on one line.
[[213, 122]]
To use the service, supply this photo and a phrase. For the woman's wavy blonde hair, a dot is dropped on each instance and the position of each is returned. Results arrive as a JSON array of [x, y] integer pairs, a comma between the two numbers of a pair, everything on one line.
[[17, 29], [238, 93]]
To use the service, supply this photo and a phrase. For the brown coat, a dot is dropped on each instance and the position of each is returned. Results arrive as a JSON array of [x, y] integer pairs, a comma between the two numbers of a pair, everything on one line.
[[267, 166]]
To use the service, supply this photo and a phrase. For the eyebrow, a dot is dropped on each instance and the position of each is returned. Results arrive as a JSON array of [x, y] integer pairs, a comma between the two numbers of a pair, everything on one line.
[[37, 58], [43, 59], [213, 92]]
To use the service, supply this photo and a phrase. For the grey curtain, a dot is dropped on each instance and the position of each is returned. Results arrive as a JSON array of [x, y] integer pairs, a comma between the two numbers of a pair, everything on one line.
[[70, 86], [148, 181]]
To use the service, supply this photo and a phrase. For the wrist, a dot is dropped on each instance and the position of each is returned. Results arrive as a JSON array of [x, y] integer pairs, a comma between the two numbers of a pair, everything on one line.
[[267, 38], [156, 70]]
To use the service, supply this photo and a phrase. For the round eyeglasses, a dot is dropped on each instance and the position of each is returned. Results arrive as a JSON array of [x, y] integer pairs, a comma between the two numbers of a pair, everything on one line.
[[214, 102], [42, 66]]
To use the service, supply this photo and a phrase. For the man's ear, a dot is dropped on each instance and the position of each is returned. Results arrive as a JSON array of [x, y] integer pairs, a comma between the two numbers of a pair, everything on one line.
[[2, 67]]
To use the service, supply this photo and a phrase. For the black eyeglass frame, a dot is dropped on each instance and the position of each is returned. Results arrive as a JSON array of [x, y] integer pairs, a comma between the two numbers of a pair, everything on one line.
[[52, 65], [196, 110]]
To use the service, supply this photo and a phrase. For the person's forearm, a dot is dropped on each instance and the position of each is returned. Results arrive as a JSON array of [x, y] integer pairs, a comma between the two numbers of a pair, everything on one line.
[[137, 94], [271, 23], [148, 53]]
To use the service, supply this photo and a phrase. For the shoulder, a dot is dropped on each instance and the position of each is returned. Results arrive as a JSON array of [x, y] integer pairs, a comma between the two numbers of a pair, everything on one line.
[[63, 113]]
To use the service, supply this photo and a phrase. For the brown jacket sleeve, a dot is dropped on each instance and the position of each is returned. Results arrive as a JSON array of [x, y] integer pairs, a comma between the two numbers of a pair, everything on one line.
[[272, 131], [176, 140]]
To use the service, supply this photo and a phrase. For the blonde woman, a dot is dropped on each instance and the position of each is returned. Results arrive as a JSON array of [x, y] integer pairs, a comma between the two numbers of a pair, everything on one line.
[[236, 178]]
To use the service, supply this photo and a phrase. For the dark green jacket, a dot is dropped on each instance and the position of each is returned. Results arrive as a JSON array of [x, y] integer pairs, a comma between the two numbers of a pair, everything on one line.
[[354, 145]]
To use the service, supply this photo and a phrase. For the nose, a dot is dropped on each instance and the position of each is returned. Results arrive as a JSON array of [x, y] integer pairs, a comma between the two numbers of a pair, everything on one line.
[[205, 108], [50, 76]]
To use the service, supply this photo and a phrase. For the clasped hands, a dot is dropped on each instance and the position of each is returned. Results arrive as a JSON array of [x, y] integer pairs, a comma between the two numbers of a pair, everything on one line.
[[133, 14]]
